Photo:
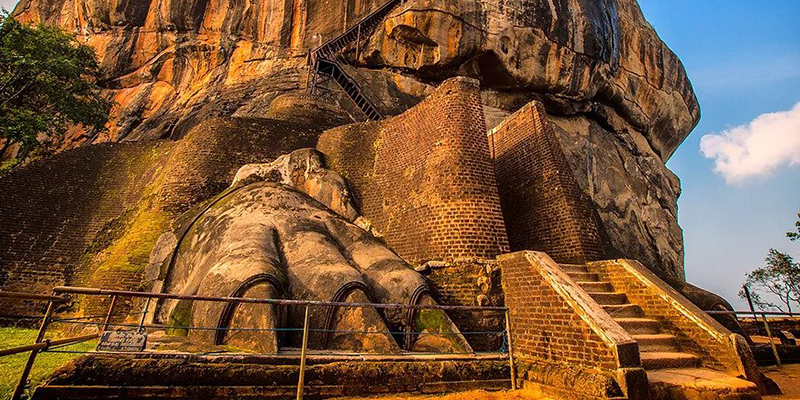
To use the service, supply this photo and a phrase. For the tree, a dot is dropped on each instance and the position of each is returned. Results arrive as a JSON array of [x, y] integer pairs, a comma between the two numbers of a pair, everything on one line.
[[780, 277], [47, 83]]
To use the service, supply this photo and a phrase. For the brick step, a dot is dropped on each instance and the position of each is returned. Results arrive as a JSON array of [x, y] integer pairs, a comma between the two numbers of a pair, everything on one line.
[[609, 298], [584, 277], [657, 342], [638, 326], [623, 310], [595, 287], [662, 360], [573, 268]]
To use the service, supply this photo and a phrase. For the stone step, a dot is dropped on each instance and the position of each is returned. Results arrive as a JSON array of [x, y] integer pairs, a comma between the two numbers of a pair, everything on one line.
[[584, 277], [609, 298], [623, 310], [638, 326], [596, 286], [699, 383], [574, 268], [664, 359], [657, 342]]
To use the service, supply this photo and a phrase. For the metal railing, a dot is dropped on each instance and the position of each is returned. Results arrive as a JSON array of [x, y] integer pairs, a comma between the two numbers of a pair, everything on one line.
[[104, 322], [40, 344], [324, 59], [765, 321]]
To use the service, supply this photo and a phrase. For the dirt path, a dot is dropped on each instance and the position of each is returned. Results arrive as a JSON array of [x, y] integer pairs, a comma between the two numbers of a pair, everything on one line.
[[788, 378]]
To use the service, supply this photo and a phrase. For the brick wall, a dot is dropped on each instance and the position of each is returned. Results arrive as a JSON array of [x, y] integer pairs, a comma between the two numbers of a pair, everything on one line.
[[562, 341], [51, 210], [425, 178], [544, 325], [695, 331], [543, 206]]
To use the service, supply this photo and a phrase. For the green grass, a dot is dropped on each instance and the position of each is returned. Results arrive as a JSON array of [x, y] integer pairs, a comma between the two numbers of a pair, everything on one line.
[[45, 365]]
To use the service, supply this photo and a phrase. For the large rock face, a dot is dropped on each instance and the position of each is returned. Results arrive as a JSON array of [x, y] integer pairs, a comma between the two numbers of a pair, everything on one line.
[[620, 97]]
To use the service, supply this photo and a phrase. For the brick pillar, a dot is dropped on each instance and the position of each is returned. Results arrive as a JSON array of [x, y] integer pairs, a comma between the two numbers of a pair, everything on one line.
[[425, 178], [543, 206]]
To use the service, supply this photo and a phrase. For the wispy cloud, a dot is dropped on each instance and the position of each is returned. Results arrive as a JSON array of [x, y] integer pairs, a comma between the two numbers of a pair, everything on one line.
[[755, 149]]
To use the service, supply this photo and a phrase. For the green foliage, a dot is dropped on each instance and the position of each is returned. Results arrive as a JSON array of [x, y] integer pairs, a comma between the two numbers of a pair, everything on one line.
[[780, 278], [794, 236], [46, 363], [47, 83]]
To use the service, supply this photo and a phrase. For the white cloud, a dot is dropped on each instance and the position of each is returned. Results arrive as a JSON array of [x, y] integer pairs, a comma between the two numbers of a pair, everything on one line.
[[756, 149]]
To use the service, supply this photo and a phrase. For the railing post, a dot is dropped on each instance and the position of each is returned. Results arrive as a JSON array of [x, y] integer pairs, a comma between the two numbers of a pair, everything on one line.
[[358, 41], [108, 314], [144, 314], [510, 352], [23, 379], [302, 378], [771, 343]]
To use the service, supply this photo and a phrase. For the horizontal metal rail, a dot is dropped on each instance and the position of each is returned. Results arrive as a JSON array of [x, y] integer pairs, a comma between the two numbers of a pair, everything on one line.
[[41, 346], [107, 292], [789, 314], [32, 296]]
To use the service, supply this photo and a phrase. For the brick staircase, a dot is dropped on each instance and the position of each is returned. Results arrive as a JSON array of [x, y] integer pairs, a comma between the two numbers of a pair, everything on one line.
[[326, 59], [657, 350], [662, 356]]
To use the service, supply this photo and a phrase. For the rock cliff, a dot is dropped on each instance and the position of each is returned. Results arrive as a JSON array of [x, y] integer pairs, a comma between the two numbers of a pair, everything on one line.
[[619, 97]]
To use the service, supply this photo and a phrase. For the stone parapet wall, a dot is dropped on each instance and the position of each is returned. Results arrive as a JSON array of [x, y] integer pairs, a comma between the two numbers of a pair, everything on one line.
[[425, 178], [695, 331], [543, 206], [556, 329], [471, 282]]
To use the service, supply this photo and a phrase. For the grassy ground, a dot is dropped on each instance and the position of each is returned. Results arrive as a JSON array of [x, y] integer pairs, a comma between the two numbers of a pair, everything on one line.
[[45, 365]]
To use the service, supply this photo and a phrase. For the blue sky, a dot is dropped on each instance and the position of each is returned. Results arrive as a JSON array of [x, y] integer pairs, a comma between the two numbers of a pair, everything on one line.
[[743, 58]]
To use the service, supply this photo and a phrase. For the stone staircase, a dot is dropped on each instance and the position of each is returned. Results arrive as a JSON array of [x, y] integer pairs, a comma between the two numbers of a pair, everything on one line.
[[325, 60], [667, 364]]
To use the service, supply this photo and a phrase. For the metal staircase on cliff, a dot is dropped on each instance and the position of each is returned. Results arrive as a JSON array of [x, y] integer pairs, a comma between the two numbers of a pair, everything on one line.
[[326, 59]]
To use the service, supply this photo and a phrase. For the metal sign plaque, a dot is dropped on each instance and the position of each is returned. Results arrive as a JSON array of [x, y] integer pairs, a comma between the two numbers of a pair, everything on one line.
[[122, 341]]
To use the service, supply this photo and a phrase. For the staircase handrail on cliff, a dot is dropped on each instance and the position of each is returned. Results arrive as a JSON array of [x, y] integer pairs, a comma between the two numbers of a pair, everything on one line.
[[368, 107], [385, 8], [329, 51]]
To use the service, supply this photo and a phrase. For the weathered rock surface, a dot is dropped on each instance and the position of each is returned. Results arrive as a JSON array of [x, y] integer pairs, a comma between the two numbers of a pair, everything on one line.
[[598, 66], [167, 59]]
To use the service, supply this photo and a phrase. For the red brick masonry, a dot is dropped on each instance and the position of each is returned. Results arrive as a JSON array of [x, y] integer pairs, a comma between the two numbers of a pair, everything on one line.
[[544, 208], [425, 178], [562, 339]]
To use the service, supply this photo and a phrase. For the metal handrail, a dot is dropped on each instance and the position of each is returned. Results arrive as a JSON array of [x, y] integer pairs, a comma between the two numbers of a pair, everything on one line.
[[373, 110], [41, 344], [354, 28], [790, 314], [108, 292], [763, 315], [46, 344]]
